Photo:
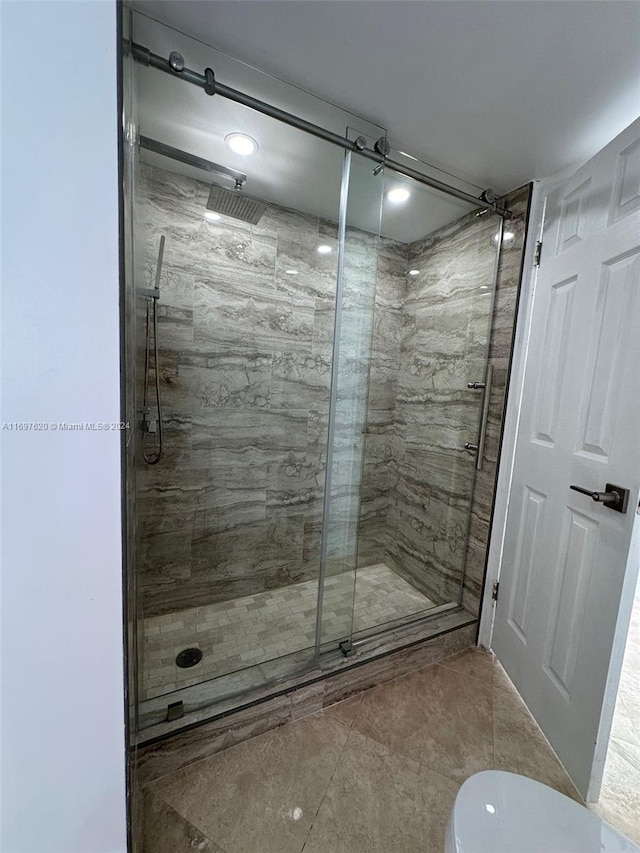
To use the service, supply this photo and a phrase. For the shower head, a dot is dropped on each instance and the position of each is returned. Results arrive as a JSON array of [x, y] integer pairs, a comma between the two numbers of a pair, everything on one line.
[[236, 204]]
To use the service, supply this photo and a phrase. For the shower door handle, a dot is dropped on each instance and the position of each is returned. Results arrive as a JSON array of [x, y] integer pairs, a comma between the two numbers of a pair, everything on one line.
[[482, 437], [614, 497]]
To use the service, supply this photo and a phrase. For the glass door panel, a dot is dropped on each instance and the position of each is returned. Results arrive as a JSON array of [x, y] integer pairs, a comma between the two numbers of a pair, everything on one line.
[[431, 333], [229, 514], [357, 272], [229, 518]]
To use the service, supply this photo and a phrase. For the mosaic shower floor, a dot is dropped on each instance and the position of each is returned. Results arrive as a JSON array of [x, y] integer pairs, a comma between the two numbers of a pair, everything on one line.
[[250, 630]]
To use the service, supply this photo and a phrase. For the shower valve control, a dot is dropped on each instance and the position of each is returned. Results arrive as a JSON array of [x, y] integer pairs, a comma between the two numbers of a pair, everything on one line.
[[149, 424], [475, 385]]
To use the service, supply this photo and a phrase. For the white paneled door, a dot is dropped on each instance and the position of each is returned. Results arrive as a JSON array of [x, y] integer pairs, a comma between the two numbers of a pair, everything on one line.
[[562, 608]]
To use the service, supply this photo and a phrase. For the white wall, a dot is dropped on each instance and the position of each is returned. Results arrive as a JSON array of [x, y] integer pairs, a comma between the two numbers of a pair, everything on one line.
[[63, 767]]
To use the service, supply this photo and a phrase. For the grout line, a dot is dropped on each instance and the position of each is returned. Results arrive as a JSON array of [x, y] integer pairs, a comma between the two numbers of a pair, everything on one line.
[[326, 790]]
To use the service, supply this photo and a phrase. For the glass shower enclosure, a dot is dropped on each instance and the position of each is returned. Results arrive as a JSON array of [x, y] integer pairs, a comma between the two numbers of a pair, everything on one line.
[[306, 362]]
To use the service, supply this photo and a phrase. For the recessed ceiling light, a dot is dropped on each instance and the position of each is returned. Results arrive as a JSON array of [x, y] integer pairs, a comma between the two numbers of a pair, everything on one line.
[[324, 250], [291, 272], [414, 272], [241, 143], [211, 216], [398, 195]]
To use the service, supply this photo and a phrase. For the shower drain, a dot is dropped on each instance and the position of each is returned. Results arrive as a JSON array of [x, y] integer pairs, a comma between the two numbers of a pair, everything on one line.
[[189, 657]]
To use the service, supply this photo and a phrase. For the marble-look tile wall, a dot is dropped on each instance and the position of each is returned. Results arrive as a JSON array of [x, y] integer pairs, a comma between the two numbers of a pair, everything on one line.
[[443, 345], [379, 467], [420, 491], [235, 505]]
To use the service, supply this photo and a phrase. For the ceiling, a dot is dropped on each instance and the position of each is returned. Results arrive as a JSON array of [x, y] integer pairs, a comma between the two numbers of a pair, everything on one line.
[[291, 168], [496, 92]]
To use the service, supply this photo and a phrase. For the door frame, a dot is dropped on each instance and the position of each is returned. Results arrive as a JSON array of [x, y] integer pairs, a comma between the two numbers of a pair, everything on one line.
[[541, 189], [506, 457]]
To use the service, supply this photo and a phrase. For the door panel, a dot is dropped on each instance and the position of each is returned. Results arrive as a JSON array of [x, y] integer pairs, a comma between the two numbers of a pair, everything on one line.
[[565, 556]]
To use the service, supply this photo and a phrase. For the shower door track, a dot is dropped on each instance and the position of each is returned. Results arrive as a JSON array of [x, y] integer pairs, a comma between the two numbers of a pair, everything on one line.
[[307, 674], [207, 81]]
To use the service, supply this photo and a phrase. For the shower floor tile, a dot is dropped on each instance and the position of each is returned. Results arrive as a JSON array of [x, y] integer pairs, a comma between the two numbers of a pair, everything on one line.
[[257, 628]]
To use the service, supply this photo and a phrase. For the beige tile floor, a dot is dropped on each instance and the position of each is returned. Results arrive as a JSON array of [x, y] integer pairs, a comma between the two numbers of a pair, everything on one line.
[[373, 774], [620, 796], [257, 628]]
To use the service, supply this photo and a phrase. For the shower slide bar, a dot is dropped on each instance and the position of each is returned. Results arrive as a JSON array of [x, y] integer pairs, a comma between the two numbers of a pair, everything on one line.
[[207, 81]]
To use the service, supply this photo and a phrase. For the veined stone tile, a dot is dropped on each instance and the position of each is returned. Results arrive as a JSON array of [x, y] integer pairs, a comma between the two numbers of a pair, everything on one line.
[[285, 222], [300, 380], [230, 380], [245, 362], [176, 285], [235, 322], [175, 326], [314, 277], [270, 431], [294, 484]]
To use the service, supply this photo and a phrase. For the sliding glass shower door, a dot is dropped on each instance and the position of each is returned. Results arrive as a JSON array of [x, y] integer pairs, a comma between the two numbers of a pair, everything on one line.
[[429, 396], [307, 368], [359, 232], [230, 518]]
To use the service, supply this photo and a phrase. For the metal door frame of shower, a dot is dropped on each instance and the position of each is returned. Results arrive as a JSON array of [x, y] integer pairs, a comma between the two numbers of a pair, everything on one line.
[[379, 155], [333, 396]]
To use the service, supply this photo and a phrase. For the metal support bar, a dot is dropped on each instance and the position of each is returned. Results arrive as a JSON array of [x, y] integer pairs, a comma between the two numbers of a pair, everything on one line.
[[212, 86], [148, 292], [191, 159], [411, 623], [485, 416]]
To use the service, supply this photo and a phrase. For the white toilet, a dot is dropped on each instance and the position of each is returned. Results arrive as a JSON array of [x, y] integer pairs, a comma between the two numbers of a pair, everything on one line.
[[498, 812]]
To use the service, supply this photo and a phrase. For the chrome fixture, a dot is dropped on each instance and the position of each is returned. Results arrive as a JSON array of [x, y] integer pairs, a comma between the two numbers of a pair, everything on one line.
[[382, 146], [488, 196], [235, 204], [486, 396], [189, 657], [379, 154], [192, 160], [176, 61]]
